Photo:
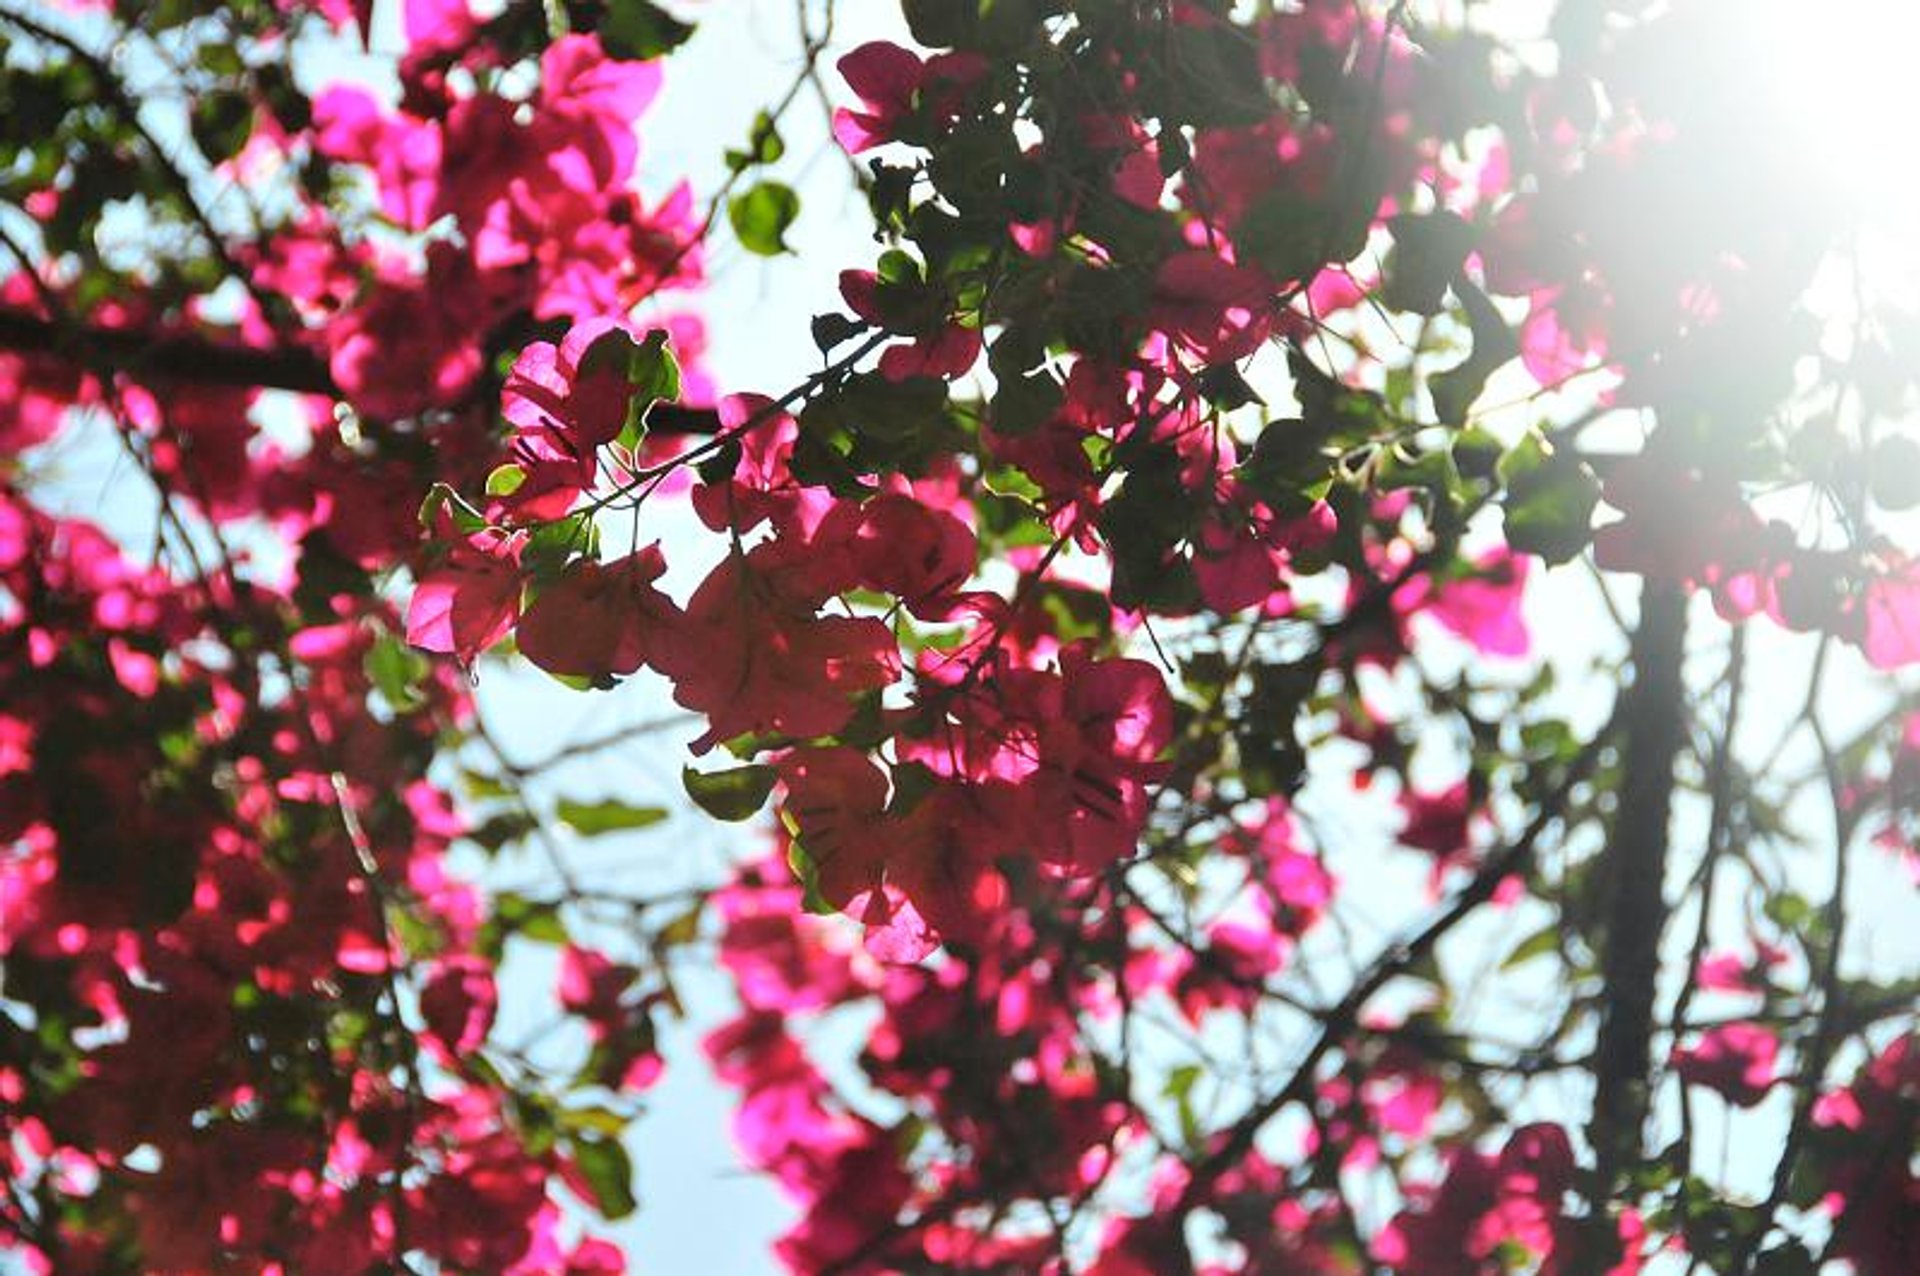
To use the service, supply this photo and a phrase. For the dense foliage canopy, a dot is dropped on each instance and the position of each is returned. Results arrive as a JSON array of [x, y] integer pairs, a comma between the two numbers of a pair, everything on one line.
[[1329, 647]]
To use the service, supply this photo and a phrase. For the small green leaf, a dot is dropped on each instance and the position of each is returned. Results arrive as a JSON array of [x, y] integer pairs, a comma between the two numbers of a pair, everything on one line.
[[505, 480], [1022, 404], [501, 829], [653, 370], [941, 24], [638, 30], [1549, 501], [592, 1120], [760, 217], [806, 873], [483, 787], [1402, 466], [733, 795], [396, 670], [1455, 389], [440, 496], [764, 145], [551, 546], [1226, 389], [608, 1174], [683, 929], [1179, 1088], [1539, 944], [221, 123], [1428, 250], [590, 819], [515, 914], [832, 330], [1477, 452], [1284, 233]]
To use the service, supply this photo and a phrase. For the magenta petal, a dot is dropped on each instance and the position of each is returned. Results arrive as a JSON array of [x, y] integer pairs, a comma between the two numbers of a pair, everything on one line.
[[883, 74], [1893, 620]]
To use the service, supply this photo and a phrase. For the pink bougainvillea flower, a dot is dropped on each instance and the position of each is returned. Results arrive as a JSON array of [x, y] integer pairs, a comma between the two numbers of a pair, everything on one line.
[[471, 600], [1892, 606], [1483, 606], [754, 654], [414, 344], [579, 386], [762, 486], [592, 101], [1437, 822], [599, 619], [404, 154], [1099, 730], [918, 554], [566, 402], [1211, 306], [892, 83], [1737, 1060], [458, 1002], [838, 798], [437, 26], [940, 346]]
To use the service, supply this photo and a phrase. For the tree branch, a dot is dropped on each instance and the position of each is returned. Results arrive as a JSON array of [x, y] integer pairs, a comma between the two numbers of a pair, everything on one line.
[[1341, 1019], [203, 361], [1634, 915]]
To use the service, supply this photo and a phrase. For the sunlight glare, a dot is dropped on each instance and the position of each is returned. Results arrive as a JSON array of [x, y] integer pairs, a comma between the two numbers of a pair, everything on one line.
[[1850, 88]]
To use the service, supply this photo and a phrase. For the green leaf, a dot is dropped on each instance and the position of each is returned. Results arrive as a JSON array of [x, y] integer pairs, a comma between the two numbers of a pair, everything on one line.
[[653, 371], [818, 462], [1789, 910], [1477, 452], [1179, 1088], [221, 123], [590, 819], [440, 496], [637, 30], [501, 829], [551, 546], [484, 787], [732, 795], [871, 423], [1539, 944], [760, 217], [683, 929], [1285, 234], [1402, 466], [764, 145], [1428, 251], [806, 873], [608, 1173], [1549, 502], [515, 914], [592, 1119], [831, 330], [1455, 389], [1021, 404], [942, 24], [1226, 389], [1213, 75], [396, 671], [505, 480]]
